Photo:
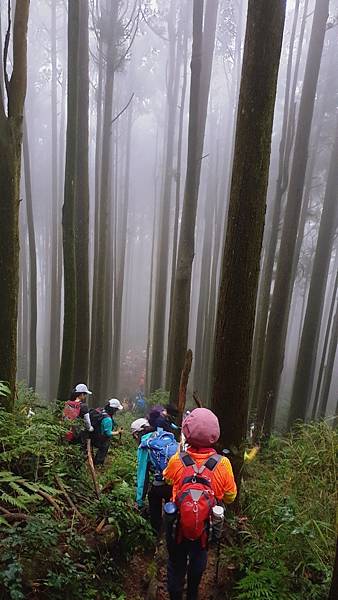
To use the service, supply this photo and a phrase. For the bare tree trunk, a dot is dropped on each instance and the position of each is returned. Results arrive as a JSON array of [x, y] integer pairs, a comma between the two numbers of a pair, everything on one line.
[[201, 66], [104, 228], [281, 187], [81, 357], [23, 316], [178, 194], [68, 211], [274, 346], [325, 344], [54, 349], [10, 169], [121, 266], [241, 258], [32, 261], [331, 355], [302, 386], [204, 290], [164, 218], [98, 153]]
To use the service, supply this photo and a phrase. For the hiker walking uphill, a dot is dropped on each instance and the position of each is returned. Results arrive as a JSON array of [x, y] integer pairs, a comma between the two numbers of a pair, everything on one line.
[[201, 480], [76, 408], [104, 426], [154, 451]]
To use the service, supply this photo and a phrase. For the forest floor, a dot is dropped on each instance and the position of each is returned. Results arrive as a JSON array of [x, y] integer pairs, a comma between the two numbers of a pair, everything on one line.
[[147, 577]]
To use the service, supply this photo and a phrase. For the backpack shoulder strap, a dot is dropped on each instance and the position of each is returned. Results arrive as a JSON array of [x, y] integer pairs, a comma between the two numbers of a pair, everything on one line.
[[186, 459], [212, 461]]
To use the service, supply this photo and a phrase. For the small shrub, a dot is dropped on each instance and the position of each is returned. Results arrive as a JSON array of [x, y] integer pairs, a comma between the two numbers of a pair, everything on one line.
[[289, 500]]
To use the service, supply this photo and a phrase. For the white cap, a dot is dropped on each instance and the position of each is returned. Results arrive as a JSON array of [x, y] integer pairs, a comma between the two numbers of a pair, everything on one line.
[[115, 403], [81, 388], [138, 425]]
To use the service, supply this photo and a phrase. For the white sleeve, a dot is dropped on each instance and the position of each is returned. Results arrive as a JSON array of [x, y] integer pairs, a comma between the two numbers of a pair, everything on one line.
[[87, 421]]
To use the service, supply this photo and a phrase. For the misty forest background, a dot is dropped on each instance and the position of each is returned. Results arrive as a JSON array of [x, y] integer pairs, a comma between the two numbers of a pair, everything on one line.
[[169, 181]]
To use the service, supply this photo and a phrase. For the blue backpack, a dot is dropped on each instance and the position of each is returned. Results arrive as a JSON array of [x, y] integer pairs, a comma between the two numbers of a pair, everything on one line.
[[162, 446], [140, 402]]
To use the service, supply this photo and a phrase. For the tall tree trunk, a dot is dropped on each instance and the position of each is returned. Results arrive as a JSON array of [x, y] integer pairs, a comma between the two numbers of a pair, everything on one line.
[[81, 357], [54, 350], [32, 261], [281, 187], [331, 356], [274, 346], [302, 386], [98, 153], [204, 288], [163, 238], [241, 258], [121, 266], [201, 67], [178, 193], [104, 218], [325, 344], [68, 211], [10, 169]]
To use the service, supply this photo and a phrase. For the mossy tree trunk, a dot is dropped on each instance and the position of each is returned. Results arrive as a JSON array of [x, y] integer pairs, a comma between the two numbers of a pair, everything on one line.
[[11, 122], [68, 210], [241, 258]]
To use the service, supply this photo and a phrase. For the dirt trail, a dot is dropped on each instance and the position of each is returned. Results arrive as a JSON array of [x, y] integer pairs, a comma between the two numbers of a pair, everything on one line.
[[147, 578]]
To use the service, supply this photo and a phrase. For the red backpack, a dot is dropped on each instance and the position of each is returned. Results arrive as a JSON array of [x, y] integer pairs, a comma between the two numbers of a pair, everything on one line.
[[71, 412], [195, 498]]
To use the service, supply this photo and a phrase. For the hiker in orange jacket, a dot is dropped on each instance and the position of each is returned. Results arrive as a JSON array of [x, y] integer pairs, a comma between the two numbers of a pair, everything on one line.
[[200, 478]]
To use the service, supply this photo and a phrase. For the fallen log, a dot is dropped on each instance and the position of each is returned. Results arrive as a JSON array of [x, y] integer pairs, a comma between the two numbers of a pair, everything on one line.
[[92, 468], [69, 500]]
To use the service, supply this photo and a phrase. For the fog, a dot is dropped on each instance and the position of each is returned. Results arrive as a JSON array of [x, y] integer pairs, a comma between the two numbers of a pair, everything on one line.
[[151, 43]]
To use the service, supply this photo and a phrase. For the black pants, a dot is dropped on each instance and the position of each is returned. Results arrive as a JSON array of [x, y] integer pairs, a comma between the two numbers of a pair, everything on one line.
[[156, 495], [186, 557], [102, 445]]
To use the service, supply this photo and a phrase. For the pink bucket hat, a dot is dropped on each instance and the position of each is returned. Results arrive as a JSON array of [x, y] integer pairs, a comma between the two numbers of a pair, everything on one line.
[[201, 428]]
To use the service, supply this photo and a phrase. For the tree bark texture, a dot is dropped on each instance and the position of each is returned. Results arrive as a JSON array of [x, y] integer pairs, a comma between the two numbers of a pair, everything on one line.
[[302, 386], [241, 258], [10, 168], [102, 327], [331, 356], [325, 344], [98, 152], [275, 342], [68, 210], [281, 187], [161, 282], [116, 352], [54, 350], [201, 67], [184, 50], [32, 262], [81, 358]]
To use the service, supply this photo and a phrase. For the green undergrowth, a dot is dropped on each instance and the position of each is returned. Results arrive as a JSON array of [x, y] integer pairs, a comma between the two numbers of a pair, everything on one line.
[[287, 534], [46, 549]]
